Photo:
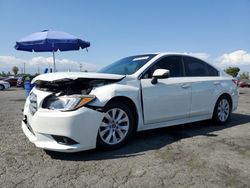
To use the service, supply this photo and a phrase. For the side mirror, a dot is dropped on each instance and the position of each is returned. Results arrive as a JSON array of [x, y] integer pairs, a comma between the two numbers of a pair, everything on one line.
[[159, 73]]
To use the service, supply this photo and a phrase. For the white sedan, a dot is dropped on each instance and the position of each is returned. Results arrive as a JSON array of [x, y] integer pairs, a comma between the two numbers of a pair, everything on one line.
[[71, 112], [4, 85]]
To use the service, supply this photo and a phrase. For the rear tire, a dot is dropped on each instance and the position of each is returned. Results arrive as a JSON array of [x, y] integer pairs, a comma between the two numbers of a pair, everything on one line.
[[117, 126], [222, 110]]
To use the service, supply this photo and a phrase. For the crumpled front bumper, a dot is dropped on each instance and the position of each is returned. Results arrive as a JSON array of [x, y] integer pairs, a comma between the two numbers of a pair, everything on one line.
[[81, 125]]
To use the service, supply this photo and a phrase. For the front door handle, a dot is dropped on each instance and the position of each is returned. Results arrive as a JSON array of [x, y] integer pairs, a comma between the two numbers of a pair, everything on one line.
[[185, 85]]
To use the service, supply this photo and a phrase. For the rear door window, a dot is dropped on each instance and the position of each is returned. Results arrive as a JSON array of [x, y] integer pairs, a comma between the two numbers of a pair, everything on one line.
[[196, 67]]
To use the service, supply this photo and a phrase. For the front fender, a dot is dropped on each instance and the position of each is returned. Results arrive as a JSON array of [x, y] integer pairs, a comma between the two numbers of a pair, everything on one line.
[[128, 89], [106, 92]]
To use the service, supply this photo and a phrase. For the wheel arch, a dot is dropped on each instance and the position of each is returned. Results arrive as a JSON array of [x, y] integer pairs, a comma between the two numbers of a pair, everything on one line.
[[215, 115], [218, 98], [226, 95], [130, 104]]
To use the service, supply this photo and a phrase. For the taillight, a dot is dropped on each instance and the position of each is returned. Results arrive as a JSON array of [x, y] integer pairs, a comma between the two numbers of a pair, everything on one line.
[[236, 82]]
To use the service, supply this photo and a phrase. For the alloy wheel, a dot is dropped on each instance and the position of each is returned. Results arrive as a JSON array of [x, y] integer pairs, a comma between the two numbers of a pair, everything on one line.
[[223, 110], [114, 127]]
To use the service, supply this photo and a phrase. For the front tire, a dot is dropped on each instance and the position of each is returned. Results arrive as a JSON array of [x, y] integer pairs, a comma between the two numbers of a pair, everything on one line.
[[117, 126], [222, 110], [1, 87]]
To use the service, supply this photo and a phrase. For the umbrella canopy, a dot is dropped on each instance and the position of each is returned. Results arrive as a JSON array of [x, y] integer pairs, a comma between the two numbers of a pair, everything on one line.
[[50, 41]]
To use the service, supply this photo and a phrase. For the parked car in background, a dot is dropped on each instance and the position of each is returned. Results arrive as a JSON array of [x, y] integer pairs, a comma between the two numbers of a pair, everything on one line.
[[20, 82], [78, 111], [244, 84], [12, 81], [4, 85]]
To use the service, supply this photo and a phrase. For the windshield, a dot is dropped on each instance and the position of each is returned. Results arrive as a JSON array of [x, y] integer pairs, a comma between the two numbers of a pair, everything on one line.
[[128, 65]]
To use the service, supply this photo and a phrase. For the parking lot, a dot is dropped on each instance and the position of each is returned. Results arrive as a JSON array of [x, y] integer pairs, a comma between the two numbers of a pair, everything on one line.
[[192, 155]]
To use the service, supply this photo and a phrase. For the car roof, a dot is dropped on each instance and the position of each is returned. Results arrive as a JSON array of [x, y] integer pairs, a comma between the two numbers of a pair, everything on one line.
[[159, 55], [171, 53]]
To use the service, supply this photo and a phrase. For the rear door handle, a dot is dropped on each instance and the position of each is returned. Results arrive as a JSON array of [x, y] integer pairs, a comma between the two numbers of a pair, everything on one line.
[[185, 85], [216, 83]]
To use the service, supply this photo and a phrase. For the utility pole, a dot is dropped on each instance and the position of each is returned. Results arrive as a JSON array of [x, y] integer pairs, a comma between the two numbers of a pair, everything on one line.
[[24, 68], [80, 67], [54, 60]]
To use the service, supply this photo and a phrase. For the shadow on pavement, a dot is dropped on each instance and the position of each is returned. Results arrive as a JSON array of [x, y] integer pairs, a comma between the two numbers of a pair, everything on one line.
[[153, 139], [11, 89], [18, 100]]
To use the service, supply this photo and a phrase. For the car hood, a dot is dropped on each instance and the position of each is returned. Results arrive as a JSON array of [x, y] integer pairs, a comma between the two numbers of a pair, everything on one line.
[[54, 77]]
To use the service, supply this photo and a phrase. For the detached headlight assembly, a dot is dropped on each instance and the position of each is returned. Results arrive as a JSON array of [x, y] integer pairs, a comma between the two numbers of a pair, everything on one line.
[[66, 102]]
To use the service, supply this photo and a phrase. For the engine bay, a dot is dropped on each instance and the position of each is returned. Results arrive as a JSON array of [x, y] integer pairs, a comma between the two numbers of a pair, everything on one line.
[[67, 86]]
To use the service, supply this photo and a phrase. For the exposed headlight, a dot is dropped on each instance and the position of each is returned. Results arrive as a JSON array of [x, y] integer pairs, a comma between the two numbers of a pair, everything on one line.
[[67, 103]]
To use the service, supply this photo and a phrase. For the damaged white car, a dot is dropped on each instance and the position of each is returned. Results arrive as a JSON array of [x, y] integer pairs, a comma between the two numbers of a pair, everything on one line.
[[71, 112]]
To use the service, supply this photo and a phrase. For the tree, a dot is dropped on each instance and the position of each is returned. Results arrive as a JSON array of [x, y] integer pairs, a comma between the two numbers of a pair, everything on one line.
[[244, 76], [3, 74], [15, 70], [233, 71]]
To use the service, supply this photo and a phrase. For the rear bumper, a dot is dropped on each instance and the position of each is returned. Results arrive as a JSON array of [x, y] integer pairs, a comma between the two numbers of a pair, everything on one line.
[[81, 125]]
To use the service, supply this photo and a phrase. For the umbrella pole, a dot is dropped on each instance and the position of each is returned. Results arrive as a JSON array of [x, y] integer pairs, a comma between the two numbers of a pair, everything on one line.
[[54, 61]]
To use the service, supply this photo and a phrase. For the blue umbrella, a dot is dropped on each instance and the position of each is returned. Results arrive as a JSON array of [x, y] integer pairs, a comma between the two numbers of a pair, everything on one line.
[[50, 41]]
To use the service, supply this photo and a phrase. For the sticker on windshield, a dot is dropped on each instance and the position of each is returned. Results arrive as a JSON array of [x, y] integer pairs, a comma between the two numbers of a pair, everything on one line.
[[140, 58]]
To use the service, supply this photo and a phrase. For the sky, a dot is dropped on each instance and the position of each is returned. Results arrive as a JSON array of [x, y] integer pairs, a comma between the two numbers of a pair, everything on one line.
[[216, 31]]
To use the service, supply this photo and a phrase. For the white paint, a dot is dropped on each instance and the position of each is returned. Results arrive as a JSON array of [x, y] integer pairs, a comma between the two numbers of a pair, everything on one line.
[[74, 75]]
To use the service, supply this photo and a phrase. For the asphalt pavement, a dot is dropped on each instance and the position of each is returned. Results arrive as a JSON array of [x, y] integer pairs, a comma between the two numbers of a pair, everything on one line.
[[192, 155]]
